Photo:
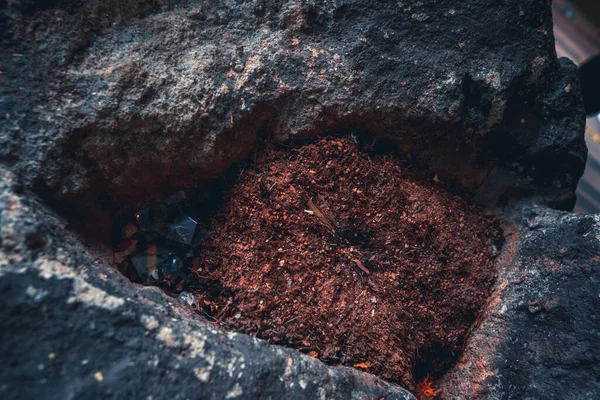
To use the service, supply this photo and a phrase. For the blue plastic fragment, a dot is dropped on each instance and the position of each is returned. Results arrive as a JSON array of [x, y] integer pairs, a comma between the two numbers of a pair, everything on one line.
[[183, 231]]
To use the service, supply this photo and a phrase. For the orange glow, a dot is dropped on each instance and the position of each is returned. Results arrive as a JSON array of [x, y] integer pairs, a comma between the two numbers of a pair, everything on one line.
[[426, 388]]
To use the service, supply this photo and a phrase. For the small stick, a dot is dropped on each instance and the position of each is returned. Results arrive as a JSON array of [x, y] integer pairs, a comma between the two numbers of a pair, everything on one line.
[[222, 313], [292, 319], [320, 215], [362, 267]]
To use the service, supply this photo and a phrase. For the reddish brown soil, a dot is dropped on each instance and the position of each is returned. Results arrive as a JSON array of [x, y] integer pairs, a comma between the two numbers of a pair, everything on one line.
[[351, 257]]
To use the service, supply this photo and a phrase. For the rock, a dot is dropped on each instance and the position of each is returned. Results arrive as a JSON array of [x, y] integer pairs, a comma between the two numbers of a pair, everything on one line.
[[126, 100], [111, 103], [73, 327], [538, 336]]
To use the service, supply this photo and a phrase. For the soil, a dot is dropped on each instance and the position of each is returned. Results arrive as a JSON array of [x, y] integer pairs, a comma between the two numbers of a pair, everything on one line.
[[351, 256]]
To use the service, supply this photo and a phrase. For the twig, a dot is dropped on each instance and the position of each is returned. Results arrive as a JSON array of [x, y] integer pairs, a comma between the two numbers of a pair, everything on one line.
[[222, 313], [292, 319], [320, 215], [361, 266]]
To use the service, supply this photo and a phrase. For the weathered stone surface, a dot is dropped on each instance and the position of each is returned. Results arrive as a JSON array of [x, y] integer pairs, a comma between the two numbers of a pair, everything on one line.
[[118, 101], [538, 336], [73, 327], [111, 102]]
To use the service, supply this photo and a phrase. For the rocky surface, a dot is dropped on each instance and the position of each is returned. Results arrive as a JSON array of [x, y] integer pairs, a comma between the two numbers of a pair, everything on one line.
[[72, 327], [110, 102], [538, 336], [122, 100]]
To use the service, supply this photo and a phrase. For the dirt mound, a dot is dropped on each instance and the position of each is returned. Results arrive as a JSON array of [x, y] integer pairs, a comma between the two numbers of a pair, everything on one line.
[[350, 256]]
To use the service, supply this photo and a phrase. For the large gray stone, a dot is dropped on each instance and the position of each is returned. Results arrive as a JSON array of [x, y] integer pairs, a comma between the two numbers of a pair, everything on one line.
[[120, 101], [538, 336]]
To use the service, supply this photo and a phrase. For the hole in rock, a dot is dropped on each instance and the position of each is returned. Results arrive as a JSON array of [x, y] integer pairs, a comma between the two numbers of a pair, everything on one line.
[[347, 253]]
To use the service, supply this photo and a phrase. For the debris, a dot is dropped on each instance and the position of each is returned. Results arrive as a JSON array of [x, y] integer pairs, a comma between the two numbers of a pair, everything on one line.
[[320, 215], [126, 248], [183, 231], [189, 299], [363, 365], [128, 231], [360, 265], [156, 263], [426, 388], [156, 242]]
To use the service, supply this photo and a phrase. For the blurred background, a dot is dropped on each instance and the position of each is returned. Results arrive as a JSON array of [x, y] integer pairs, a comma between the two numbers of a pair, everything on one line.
[[577, 34]]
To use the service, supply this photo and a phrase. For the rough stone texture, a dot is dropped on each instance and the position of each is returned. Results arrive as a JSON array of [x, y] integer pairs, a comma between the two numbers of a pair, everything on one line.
[[538, 338], [107, 102], [73, 327], [122, 100]]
